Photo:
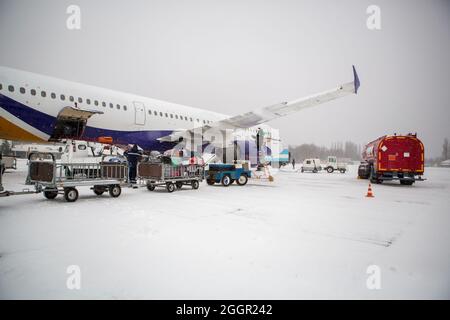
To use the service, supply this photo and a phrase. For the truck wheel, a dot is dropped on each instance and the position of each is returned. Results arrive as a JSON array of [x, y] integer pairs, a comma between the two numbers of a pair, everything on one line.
[[314, 170], [115, 191], [50, 194], [226, 180], [179, 184], [242, 181], [99, 190], [407, 182], [210, 182], [195, 184], [70, 194], [170, 187], [330, 169], [150, 187]]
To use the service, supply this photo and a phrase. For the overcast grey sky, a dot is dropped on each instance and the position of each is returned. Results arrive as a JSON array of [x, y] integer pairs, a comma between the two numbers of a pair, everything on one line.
[[233, 56]]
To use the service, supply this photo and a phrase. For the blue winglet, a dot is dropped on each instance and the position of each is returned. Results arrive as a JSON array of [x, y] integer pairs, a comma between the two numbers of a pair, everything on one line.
[[356, 80]]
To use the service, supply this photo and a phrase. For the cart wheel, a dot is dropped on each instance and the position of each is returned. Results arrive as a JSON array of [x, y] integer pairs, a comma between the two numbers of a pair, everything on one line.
[[195, 184], [342, 170], [330, 169], [70, 194], [179, 184], [99, 190], [242, 181], [226, 180], [50, 194], [170, 187], [115, 191], [210, 182], [150, 187]]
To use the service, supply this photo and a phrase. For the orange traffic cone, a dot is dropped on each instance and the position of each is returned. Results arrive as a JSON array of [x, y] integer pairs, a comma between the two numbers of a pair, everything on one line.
[[369, 192]]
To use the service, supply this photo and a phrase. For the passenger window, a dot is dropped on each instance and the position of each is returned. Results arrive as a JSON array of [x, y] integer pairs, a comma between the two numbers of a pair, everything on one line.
[[161, 114], [80, 100], [198, 120], [118, 107], [63, 97], [53, 95], [176, 116], [204, 121], [71, 98], [88, 101], [33, 92], [104, 104], [167, 115], [191, 119], [22, 90], [1, 86], [155, 112], [150, 112], [43, 94], [11, 88], [171, 115], [125, 108], [111, 105], [96, 102]]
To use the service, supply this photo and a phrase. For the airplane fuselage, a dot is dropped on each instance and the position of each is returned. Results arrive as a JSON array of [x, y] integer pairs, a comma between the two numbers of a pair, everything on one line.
[[30, 104]]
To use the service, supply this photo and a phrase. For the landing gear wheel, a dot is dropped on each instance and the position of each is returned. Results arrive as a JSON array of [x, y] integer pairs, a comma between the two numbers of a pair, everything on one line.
[[226, 180], [179, 185], [195, 184], [210, 182], [150, 187], [330, 169], [242, 181], [115, 191], [99, 190], [70, 194], [170, 187], [50, 194]]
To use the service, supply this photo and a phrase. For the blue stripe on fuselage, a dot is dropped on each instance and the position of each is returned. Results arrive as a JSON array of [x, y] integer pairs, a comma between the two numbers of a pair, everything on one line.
[[46, 123]]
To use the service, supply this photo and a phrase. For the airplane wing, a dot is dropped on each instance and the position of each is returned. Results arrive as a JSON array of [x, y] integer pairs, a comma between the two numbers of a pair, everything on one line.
[[269, 113]]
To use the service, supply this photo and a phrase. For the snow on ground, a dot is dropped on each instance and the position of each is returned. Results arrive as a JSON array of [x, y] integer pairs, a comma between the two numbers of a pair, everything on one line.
[[302, 236]]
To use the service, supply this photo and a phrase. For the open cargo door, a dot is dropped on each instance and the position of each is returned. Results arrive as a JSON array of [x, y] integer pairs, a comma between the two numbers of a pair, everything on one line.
[[71, 122]]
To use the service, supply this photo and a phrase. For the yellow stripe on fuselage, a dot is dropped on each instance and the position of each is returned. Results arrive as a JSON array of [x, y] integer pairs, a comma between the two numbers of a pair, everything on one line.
[[10, 131]]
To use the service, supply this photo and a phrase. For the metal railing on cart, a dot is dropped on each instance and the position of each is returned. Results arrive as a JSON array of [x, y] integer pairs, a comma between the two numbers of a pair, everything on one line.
[[162, 172], [53, 178]]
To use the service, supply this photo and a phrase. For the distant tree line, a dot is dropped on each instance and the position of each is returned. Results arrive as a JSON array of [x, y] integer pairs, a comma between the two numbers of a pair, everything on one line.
[[348, 149]]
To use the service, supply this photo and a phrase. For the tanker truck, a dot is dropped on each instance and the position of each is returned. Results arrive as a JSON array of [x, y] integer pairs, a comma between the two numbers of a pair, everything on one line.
[[394, 157]]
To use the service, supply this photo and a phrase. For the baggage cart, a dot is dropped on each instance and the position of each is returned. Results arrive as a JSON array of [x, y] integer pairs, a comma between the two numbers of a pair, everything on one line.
[[53, 178], [170, 176]]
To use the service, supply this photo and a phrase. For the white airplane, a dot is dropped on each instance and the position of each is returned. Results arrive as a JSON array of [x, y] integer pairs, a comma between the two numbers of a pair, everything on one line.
[[39, 108]]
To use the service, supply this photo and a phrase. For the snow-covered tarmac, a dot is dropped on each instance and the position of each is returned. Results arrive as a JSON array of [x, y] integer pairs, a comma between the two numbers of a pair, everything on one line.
[[302, 236]]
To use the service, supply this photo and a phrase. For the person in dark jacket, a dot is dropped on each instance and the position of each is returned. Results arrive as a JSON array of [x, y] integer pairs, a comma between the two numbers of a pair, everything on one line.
[[293, 164], [133, 155]]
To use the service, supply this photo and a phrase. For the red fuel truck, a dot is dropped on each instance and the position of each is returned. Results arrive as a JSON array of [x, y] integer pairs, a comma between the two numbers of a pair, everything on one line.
[[393, 158]]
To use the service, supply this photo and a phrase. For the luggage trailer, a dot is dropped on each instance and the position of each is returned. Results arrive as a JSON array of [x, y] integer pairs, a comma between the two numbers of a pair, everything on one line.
[[172, 177], [8, 193], [53, 178]]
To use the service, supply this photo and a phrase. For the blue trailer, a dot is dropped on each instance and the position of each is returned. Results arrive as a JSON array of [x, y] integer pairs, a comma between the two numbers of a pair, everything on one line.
[[226, 174]]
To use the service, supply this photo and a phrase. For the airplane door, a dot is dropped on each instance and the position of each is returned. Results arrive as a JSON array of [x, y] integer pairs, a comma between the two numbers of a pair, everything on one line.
[[139, 116]]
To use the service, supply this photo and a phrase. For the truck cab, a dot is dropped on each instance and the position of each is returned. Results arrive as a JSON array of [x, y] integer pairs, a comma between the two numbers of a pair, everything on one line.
[[334, 165]]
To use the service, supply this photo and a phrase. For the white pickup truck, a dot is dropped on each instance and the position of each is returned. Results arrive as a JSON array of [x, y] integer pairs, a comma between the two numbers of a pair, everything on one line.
[[332, 165]]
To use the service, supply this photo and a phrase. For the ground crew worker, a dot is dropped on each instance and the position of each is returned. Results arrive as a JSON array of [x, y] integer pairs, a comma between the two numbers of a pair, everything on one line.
[[133, 155], [293, 164]]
